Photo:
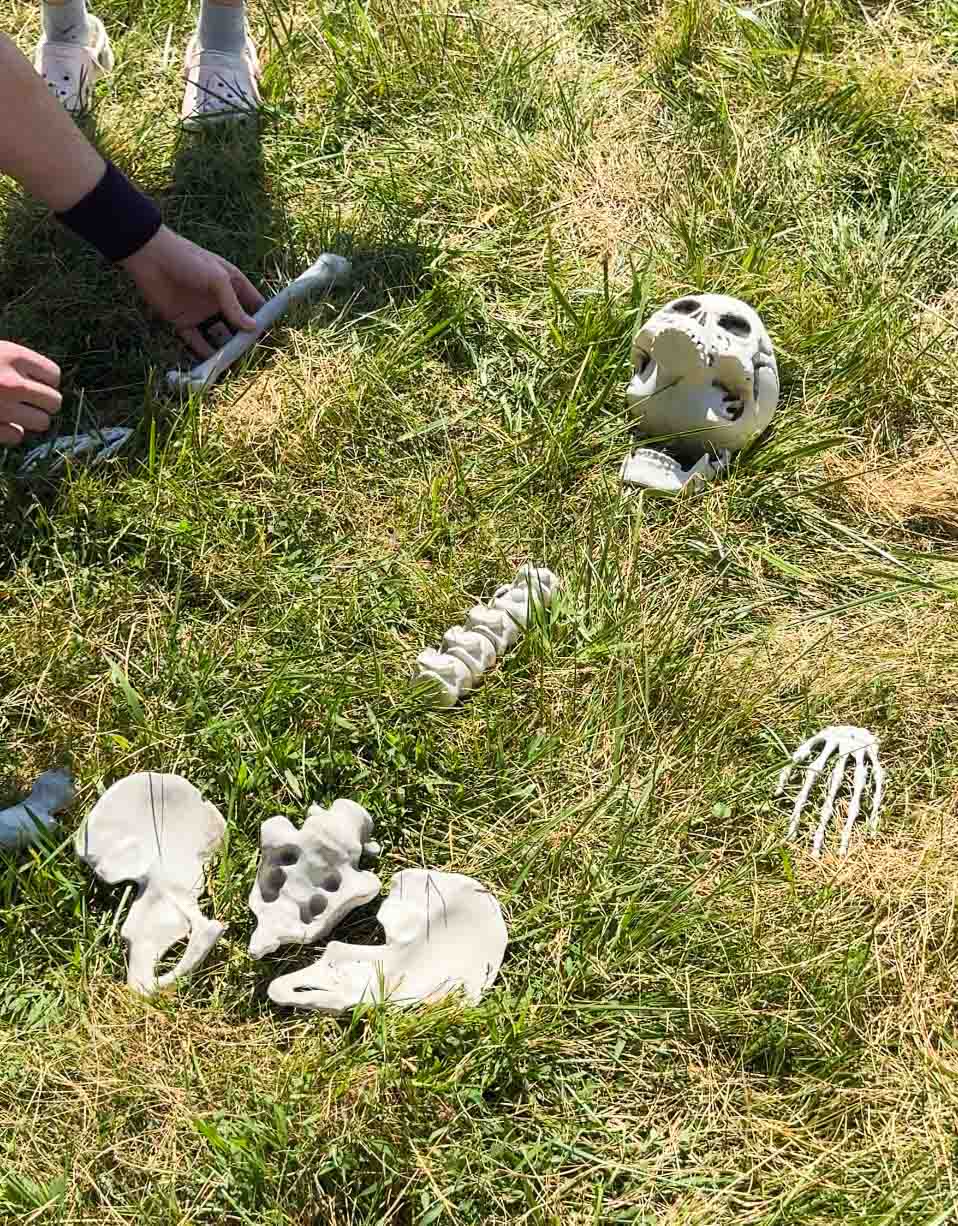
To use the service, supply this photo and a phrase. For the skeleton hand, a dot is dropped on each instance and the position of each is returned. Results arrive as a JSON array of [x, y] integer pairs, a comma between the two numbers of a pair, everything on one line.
[[50, 457], [654, 470], [847, 742]]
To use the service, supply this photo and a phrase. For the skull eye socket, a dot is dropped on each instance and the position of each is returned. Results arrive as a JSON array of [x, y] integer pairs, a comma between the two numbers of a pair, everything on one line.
[[734, 324], [645, 361], [687, 306]]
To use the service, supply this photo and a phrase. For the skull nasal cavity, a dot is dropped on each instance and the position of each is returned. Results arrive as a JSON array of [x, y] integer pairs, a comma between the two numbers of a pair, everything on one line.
[[734, 324], [687, 306], [332, 881]]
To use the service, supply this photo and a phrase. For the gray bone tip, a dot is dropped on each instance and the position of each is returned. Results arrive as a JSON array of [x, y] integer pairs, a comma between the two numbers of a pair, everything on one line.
[[186, 380], [336, 267]]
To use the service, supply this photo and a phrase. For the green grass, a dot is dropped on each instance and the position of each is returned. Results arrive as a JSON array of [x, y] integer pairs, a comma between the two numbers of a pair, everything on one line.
[[693, 1025]]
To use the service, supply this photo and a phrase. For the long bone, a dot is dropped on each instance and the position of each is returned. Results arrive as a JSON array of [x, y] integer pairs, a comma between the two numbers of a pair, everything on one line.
[[329, 272]]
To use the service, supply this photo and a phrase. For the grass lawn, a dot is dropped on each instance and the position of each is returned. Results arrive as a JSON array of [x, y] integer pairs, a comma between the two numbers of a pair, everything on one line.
[[694, 1024]]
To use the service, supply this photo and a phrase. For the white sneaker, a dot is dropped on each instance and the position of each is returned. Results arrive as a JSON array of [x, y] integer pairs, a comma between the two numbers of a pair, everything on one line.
[[72, 69], [220, 85]]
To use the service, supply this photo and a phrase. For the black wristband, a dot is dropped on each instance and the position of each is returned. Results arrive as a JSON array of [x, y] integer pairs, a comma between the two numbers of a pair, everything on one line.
[[114, 217]]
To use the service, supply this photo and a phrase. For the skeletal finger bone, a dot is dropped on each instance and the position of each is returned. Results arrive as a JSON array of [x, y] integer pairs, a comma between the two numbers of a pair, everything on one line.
[[444, 933], [328, 272], [309, 879], [490, 630], [23, 824], [157, 831], [844, 742]]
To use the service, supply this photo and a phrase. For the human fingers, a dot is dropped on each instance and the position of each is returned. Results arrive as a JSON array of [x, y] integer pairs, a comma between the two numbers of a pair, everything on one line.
[[37, 367], [229, 303], [10, 436], [39, 395], [193, 339], [28, 418], [246, 291]]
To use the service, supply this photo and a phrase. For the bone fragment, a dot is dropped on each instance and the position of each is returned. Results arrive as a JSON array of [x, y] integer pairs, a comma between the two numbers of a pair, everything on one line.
[[22, 824]]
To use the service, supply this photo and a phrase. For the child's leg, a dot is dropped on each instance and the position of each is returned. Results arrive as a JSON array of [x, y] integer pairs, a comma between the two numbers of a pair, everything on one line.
[[73, 53], [221, 65]]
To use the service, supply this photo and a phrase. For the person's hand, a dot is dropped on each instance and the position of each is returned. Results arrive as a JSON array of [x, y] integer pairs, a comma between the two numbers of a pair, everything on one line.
[[28, 392], [186, 285]]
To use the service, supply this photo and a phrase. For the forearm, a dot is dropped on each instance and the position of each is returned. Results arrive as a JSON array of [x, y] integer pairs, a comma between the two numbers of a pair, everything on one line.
[[40, 145]]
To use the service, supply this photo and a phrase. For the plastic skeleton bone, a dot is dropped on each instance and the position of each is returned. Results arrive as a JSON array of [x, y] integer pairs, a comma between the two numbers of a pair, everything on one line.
[[22, 824], [92, 449], [309, 879], [654, 470], [158, 831], [847, 742], [490, 630], [705, 379], [444, 932], [327, 273]]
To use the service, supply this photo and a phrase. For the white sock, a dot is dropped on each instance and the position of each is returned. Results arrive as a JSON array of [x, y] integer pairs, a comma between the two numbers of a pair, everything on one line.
[[67, 22], [222, 26]]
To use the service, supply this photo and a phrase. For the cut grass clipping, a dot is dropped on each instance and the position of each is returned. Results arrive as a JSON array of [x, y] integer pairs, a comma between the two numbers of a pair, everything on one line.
[[693, 1023]]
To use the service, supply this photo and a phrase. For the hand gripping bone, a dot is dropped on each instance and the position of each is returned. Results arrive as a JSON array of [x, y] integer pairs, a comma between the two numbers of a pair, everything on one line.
[[847, 742], [329, 272]]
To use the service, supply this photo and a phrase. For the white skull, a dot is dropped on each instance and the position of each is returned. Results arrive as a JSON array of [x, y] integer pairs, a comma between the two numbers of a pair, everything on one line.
[[444, 932], [705, 369]]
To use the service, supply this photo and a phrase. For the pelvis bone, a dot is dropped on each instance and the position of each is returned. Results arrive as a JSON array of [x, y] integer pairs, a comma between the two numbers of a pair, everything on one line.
[[309, 879], [705, 380], [444, 932], [158, 831]]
